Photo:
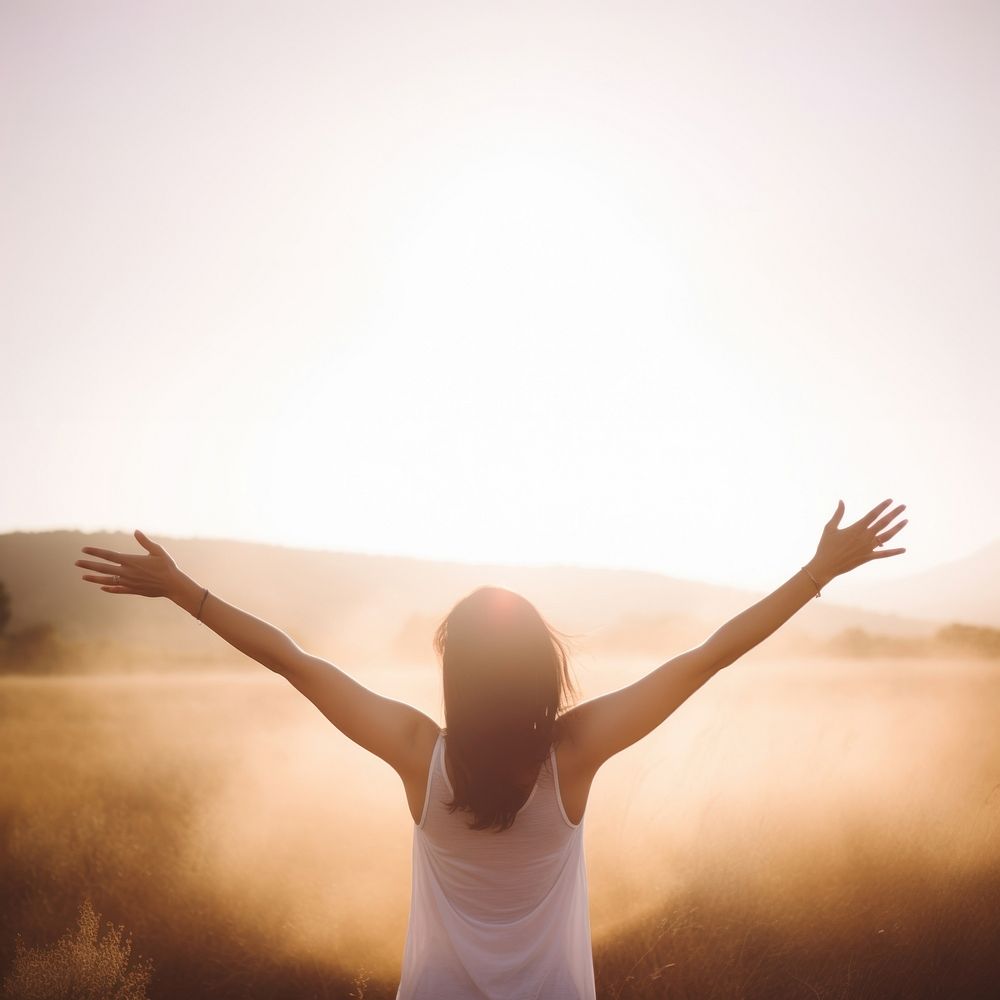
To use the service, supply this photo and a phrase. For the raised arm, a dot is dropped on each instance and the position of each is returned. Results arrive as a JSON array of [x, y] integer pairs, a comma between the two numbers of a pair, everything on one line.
[[602, 727], [383, 726]]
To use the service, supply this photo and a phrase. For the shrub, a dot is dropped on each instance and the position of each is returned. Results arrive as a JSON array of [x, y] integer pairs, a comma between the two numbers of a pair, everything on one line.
[[974, 638], [79, 966], [34, 649]]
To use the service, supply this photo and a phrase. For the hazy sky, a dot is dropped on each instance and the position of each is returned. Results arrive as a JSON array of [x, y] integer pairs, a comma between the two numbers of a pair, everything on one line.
[[647, 285]]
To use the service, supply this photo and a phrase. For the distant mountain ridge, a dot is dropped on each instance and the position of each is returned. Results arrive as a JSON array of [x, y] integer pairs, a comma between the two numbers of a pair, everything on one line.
[[961, 590], [381, 609]]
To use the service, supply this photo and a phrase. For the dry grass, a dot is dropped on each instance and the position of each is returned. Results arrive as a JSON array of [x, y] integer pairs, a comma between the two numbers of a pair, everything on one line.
[[84, 965], [832, 832]]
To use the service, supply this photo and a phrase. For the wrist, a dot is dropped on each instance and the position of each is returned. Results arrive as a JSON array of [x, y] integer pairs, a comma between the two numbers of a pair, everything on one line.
[[185, 592], [820, 571]]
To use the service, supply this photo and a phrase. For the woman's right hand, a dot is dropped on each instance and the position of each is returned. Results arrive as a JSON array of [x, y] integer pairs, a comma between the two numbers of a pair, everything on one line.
[[842, 549]]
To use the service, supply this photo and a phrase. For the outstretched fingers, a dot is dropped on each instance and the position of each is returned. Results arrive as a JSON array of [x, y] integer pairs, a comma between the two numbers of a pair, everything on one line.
[[883, 522], [882, 537], [102, 579], [101, 567], [118, 585], [122, 558], [125, 573], [866, 521], [112, 573], [141, 591]]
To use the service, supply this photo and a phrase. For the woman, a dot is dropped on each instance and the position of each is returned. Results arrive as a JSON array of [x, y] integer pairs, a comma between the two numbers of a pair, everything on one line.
[[499, 905]]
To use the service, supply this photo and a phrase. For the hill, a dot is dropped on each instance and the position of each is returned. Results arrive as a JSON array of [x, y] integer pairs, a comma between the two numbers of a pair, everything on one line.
[[962, 590], [372, 609]]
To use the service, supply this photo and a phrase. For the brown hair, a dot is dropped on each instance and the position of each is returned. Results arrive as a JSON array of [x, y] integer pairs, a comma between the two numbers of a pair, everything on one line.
[[506, 679]]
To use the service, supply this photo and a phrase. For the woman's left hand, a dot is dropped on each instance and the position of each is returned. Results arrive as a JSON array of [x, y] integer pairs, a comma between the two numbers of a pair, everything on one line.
[[152, 575]]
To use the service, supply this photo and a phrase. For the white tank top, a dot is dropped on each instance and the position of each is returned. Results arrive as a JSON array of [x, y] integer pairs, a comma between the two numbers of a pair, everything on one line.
[[498, 916]]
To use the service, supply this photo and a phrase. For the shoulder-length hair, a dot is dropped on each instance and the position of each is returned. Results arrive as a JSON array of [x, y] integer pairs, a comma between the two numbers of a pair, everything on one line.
[[506, 680]]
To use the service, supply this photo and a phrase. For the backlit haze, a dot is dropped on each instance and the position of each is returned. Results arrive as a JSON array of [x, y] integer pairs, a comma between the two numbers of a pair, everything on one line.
[[642, 285]]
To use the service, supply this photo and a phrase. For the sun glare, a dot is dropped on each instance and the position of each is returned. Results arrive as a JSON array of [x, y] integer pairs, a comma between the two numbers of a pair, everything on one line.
[[537, 329]]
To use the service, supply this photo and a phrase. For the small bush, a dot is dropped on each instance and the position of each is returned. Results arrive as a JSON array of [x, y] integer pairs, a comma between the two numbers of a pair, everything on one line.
[[35, 649], [973, 638], [79, 966]]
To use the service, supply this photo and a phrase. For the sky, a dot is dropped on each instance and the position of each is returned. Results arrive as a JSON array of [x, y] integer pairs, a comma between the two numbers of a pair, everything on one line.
[[646, 285]]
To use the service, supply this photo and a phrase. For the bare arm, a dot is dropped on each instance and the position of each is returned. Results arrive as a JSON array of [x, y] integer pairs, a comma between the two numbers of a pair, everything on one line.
[[260, 640], [753, 626], [388, 728], [838, 552], [383, 726], [602, 727]]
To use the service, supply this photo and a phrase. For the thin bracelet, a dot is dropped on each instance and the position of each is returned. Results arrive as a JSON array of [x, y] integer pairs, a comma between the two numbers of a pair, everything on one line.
[[200, 606], [815, 584]]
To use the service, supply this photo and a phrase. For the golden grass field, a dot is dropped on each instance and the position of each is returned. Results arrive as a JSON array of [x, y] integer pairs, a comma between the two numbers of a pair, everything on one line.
[[819, 828]]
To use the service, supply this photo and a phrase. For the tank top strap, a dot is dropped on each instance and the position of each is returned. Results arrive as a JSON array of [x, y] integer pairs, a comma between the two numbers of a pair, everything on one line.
[[438, 783]]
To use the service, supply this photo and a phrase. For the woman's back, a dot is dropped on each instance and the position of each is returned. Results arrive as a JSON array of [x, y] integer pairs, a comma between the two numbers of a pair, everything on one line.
[[498, 915]]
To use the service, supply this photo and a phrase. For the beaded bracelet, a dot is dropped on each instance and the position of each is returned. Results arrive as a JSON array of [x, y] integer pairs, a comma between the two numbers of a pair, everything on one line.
[[200, 606], [815, 584]]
